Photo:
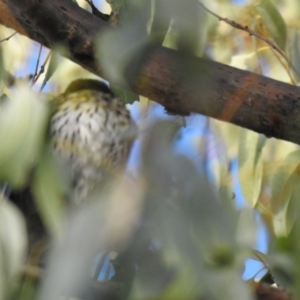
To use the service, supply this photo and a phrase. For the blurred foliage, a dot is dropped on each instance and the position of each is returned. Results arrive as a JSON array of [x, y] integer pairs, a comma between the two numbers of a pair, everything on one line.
[[173, 221], [22, 129], [273, 21]]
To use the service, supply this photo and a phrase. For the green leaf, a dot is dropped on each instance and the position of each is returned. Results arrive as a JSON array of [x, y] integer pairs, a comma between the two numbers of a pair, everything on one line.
[[116, 5], [125, 95], [294, 51], [125, 10], [2, 72], [283, 269], [260, 256], [280, 266], [161, 19], [131, 38], [191, 34], [292, 208], [250, 164], [23, 122], [48, 192], [284, 180], [13, 243], [284, 188], [55, 59], [52, 67], [220, 162], [273, 21]]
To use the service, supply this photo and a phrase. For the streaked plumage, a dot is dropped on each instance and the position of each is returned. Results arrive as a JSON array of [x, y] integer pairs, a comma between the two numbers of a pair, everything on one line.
[[92, 133]]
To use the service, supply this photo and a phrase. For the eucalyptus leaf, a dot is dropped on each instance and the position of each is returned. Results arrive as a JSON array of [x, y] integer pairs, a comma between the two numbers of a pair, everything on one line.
[[48, 192], [283, 269], [54, 63], [131, 38], [273, 21], [2, 70], [13, 244], [125, 95], [284, 180], [250, 164], [190, 22], [23, 121], [161, 21], [294, 50]]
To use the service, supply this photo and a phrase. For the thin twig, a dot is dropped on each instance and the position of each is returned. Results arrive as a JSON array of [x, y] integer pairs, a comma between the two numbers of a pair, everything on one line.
[[42, 69], [6, 39], [284, 66], [37, 63], [251, 32]]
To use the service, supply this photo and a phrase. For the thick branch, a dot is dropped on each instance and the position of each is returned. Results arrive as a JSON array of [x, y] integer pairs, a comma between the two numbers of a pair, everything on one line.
[[180, 83], [243, 98], [53, 22], [265, 292]]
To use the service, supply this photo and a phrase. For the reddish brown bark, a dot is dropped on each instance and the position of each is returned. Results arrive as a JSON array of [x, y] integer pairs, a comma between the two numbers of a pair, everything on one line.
[[266, 292], [182, 84]]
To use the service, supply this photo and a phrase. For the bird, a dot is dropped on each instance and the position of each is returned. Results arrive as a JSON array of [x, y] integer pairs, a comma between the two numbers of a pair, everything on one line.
[[91, 132]]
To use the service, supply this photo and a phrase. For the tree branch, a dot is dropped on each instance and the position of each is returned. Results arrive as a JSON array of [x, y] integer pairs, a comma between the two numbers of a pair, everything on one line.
[[181, 83], [265, 292]]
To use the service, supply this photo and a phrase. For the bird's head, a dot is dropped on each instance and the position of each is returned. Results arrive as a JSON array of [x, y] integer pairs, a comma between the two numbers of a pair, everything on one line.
[[88, 84]]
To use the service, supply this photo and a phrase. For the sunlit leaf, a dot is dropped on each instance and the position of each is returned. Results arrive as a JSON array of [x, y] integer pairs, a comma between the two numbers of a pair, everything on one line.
[[125, 95], [161, 19], [273, 21], [250, 164], [284, 180], [220, 162], [13, 243], [285, 191], [171, 37], [292, 211], [295, 49], [54, 63], [229, 134], [2, 72], [23, 121], [51, 68]]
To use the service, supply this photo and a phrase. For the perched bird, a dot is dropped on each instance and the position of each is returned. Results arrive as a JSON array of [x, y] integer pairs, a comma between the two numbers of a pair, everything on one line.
[[92, 133]]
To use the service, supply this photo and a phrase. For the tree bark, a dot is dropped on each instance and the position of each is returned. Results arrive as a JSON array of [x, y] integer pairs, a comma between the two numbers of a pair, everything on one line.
[[265, 292], [183, 84]]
